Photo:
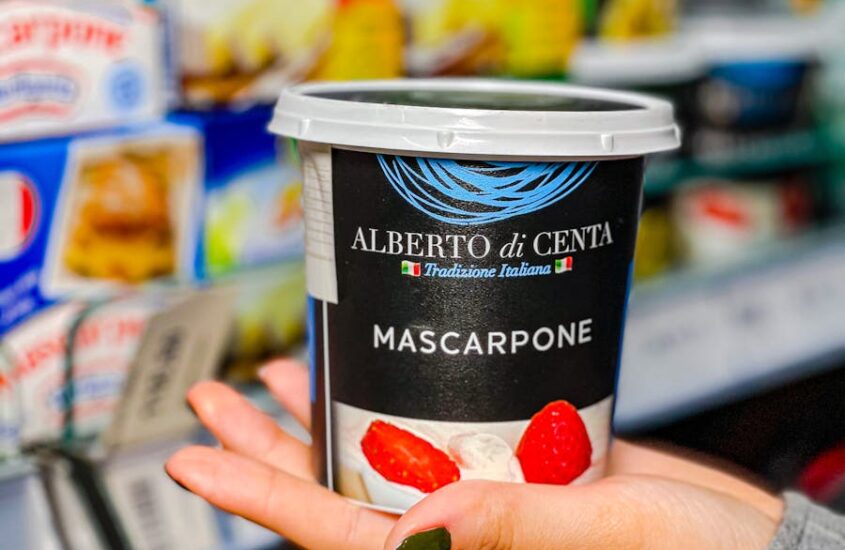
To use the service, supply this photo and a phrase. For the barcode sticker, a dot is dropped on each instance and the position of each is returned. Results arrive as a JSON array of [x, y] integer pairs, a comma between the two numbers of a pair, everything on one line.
[[154, 512]]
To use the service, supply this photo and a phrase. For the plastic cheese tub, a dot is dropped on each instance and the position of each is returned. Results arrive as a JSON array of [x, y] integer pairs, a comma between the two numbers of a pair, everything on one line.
[[469, 247]]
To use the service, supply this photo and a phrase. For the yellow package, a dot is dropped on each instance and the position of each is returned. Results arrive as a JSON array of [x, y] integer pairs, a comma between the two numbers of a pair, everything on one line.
[[540, 35], [367, 41], [245, 50], [631, 19], [655, 249], [455, 37]]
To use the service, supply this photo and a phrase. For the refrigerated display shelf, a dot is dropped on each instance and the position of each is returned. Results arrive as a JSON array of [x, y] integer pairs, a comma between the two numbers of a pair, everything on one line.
[[783, 152], [701, 339], [25, 519]]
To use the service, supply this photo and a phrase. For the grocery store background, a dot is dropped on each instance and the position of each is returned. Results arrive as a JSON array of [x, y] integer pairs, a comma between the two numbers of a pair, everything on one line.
[[151, 229]]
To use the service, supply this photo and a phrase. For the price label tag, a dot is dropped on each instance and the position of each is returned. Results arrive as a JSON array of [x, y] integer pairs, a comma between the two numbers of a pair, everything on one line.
[[181, 346]]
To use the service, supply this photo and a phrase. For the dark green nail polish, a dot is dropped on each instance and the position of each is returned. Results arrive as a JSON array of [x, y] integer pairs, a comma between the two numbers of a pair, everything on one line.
[[436, 539]]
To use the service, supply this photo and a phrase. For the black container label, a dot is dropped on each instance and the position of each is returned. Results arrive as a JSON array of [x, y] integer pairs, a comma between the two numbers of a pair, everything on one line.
[[471, 297]]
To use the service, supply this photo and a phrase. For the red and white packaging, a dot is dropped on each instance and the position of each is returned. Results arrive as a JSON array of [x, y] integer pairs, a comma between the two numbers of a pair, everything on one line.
[[120, 356], [719, 221], [100, 345], [73, 65]]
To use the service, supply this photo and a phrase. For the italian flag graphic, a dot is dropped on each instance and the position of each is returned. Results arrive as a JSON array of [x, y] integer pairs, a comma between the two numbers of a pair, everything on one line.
[[564, 265], [17, 213], [411, 269]]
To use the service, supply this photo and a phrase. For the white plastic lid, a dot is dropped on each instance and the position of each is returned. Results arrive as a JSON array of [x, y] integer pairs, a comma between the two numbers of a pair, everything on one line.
[[636, 63], [474, 117]]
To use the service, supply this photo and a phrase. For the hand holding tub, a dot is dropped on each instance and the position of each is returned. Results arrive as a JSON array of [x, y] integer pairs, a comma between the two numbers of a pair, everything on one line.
[[650, 500]]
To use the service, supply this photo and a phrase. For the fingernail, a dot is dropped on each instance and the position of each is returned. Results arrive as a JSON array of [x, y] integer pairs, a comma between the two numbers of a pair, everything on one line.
[[194, 468], [436, 539], [262, 372]]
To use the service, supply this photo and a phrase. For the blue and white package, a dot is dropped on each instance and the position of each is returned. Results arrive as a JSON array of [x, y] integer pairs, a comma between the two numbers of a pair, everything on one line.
[[252, 213], [86, 215]]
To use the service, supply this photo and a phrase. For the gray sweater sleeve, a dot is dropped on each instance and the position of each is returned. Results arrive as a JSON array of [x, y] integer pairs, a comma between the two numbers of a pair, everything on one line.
[[808, 526]]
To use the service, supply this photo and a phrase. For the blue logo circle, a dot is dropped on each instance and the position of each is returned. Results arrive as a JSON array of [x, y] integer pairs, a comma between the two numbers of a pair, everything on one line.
[[125, 87]]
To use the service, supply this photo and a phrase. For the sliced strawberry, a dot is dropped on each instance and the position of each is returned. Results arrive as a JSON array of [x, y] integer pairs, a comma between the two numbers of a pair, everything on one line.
[[402, 457], [555, 447]]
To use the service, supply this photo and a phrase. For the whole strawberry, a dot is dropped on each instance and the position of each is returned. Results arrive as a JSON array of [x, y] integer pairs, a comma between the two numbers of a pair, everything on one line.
[[555, 448], [404, 458]]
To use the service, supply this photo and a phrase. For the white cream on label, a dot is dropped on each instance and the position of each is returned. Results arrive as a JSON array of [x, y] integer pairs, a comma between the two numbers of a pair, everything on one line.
[[485, 456]]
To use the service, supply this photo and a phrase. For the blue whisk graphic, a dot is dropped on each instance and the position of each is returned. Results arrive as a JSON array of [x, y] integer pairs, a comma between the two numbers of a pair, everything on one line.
[[478, 193]]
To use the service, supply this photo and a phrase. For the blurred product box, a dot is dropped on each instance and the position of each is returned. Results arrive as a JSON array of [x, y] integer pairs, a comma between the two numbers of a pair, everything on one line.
[[231, 51], [367, 41], [454, 37], [632, 19], [102, 409], [526, 38], [719, 221], [540, 36], [9, 412], [251, 209], [85, 218], [151, 510], [38, 355], [69, 66], [87, 215], [76, 370], [270, 307], [758, 83], [110, 489], [126, 501]]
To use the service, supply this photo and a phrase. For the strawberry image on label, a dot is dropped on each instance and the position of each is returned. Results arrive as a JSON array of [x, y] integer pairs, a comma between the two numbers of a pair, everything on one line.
[[404, 458], [555, 447]]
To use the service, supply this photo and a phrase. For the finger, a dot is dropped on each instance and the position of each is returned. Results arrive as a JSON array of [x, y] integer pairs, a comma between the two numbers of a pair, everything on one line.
[[288, 381], [635, 459], [304, 512], [619, 513], [242, 428]]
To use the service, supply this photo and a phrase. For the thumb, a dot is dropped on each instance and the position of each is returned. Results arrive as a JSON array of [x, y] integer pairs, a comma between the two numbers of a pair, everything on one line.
[[621, 512], [481, 514]]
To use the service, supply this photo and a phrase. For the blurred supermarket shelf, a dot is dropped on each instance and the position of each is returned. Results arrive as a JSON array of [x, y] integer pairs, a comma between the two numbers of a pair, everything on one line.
[[759, 156], [24, 513], [705, 338], [41, 507]]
